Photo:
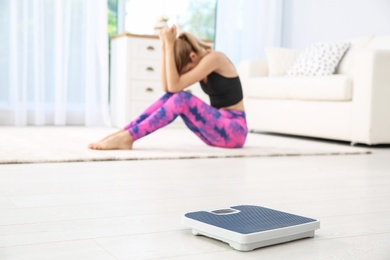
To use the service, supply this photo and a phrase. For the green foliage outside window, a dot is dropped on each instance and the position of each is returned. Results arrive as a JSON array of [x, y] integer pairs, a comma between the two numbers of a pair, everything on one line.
[[197, 17], [112, 13], [201, 19]]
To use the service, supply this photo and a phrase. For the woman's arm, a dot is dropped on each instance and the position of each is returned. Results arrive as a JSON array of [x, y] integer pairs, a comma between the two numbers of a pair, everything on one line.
[[176, 82], [163, 75]]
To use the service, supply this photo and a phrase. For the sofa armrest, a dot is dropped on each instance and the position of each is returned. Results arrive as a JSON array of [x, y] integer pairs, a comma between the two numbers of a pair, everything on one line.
[[252, 68], [371, 97]]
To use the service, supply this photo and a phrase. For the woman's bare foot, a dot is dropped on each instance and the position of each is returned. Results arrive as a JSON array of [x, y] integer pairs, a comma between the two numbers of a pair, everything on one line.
[[120, 140], [108, 136], [119, 131]]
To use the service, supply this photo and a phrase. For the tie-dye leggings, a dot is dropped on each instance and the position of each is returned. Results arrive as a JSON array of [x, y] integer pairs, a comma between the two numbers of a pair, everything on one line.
[[215, 127]]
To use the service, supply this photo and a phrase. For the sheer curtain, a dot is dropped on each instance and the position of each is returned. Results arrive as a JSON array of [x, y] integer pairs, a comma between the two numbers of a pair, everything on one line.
[[246, 27], [53, 62]]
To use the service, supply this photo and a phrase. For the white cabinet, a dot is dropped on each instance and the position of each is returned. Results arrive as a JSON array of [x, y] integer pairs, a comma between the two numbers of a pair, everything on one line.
[[135, 72]]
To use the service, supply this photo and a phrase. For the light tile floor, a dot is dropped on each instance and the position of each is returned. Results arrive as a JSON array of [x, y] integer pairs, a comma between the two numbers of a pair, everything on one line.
[[132, 209]]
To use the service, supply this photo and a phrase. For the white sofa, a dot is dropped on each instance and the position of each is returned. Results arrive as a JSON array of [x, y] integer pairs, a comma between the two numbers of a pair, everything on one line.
[[351, 105]]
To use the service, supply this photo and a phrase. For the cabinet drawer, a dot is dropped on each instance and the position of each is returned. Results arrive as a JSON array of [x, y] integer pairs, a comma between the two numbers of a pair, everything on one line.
[[147, 70], [146, 90], [145, 48]]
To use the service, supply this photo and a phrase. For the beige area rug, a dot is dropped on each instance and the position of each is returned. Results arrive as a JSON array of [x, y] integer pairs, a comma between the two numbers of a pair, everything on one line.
[[69, 144]]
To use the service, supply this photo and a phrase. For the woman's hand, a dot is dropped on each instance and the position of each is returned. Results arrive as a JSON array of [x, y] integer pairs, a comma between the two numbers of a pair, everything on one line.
[[160, 36], [167, 38], [168, 35]]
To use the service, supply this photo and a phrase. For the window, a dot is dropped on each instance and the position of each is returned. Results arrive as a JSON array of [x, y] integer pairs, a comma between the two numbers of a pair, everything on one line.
[[194, 16], [112, 17]]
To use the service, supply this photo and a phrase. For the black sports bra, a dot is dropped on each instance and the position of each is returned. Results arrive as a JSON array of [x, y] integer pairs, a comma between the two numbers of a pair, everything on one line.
[[223, 91]]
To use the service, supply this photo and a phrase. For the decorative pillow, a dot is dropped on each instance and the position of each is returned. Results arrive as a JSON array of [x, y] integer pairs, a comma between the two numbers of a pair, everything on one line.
[[279, 60], [319, 59]]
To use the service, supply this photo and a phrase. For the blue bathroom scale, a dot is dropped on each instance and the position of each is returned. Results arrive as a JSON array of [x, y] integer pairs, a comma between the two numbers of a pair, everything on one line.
[[248, 227]]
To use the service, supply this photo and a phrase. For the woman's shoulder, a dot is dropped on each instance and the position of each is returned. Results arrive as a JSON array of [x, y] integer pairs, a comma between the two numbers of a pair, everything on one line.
[[225, 66], [216, 56], [218, 62], [217, 53]]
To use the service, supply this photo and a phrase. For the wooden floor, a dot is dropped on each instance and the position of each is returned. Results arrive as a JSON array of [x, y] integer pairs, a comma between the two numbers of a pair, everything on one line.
[[133, 209]]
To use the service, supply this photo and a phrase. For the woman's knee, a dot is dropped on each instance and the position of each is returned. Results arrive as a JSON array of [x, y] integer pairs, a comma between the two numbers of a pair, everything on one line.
[[181, 96], [166, 96]]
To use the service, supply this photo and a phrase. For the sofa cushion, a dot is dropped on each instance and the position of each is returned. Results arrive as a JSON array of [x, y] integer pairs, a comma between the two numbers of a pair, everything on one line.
[[319, 88], [280, 60], [319, 59], [357, 45], [380, 42]]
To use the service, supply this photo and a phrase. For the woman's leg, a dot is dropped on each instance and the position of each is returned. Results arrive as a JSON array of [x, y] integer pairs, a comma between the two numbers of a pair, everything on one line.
[[156, 105], [225, 129], [215, 127], [148, 111]]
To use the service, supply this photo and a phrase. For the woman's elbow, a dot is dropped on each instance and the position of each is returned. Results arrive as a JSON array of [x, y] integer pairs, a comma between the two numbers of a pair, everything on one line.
[[174, 89]]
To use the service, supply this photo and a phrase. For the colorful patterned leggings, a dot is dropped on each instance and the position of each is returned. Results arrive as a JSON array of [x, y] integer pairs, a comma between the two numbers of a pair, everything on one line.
[[215, 127]]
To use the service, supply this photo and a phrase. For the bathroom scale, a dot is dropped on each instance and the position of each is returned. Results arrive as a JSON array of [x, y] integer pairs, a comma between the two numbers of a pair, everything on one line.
[[247, 227]]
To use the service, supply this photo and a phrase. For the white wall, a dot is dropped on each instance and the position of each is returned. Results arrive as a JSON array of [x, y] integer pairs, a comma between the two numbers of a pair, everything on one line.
[[308, 21]]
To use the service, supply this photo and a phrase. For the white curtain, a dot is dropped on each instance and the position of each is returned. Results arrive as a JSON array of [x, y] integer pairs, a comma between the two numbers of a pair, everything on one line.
[[246, 27], [53, 62]]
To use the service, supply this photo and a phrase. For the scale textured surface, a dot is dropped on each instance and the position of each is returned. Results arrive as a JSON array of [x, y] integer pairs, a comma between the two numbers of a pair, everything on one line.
[[250, 219]]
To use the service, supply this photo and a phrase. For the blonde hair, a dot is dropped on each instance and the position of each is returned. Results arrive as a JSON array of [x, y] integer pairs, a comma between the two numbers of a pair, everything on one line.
[[184, 45]]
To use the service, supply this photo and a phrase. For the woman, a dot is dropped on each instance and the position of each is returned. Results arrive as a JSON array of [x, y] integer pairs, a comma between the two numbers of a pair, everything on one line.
[[185, 61]]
